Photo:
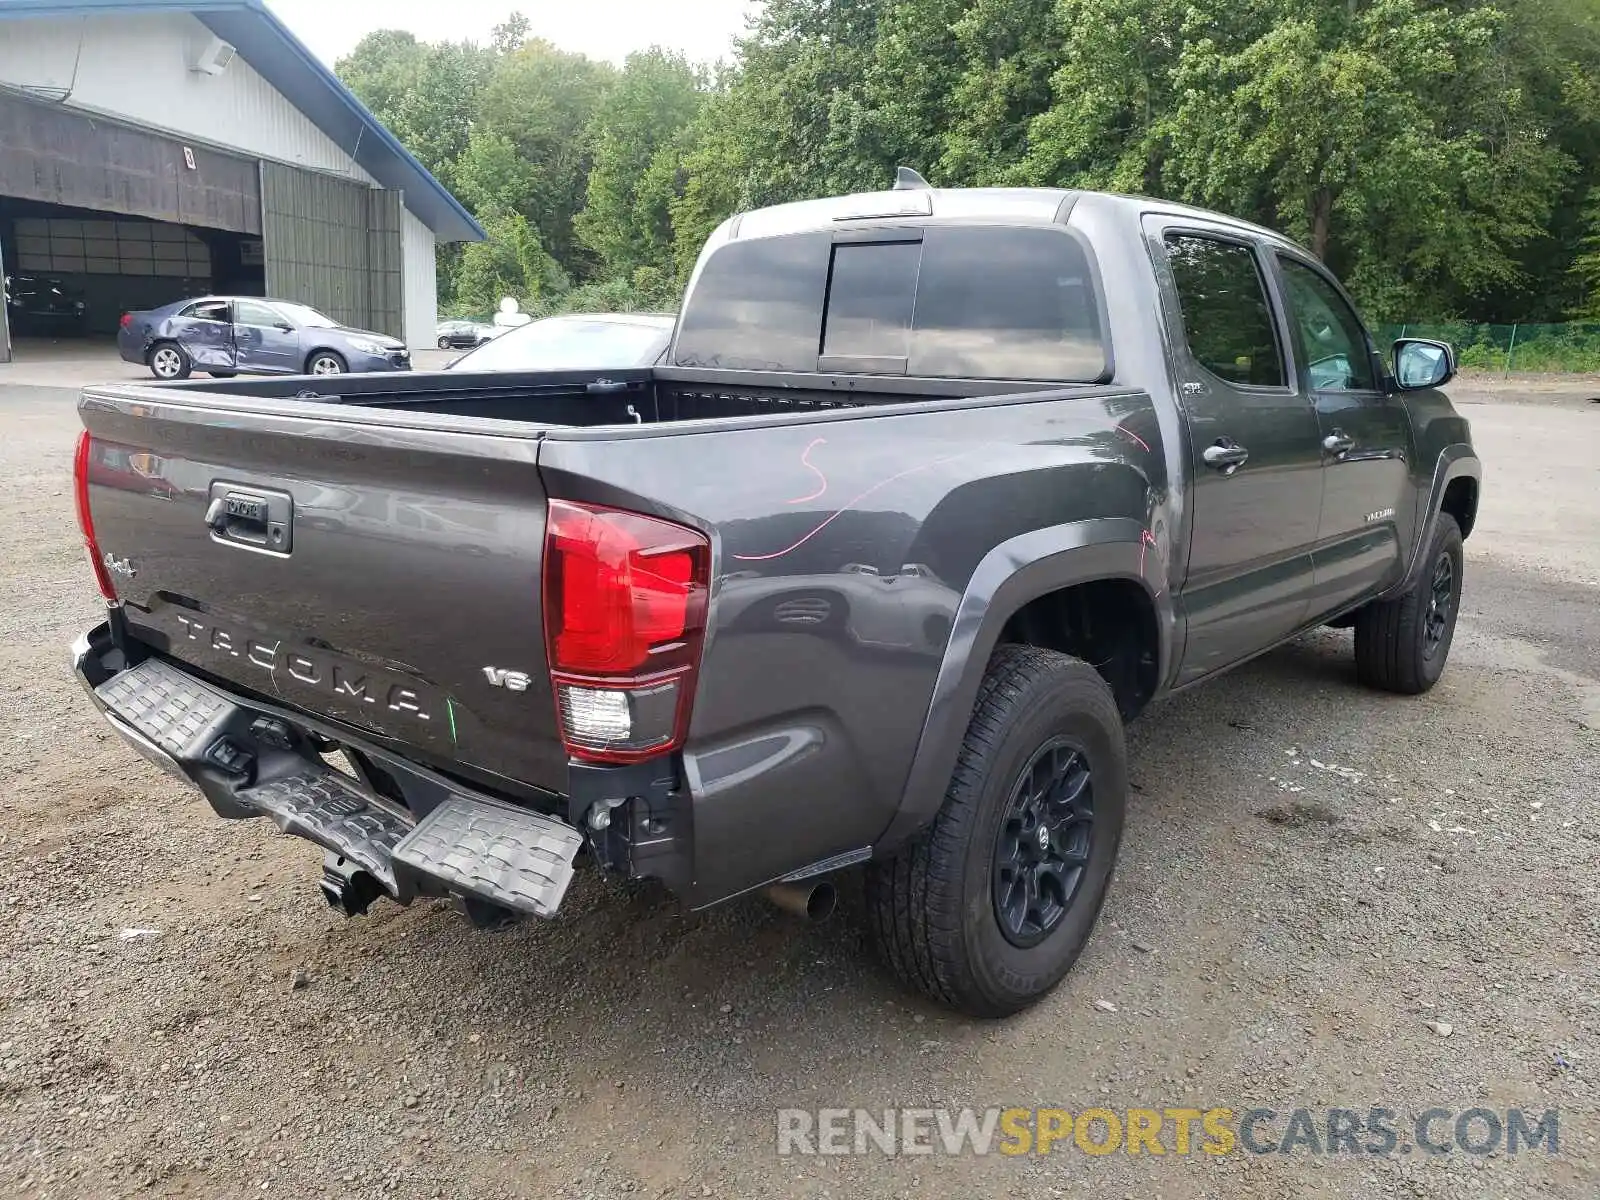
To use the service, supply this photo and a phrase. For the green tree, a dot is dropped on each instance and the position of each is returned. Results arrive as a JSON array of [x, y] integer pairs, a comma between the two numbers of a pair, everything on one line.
[[542, 102], [493, 177], [511, 35], [1389, 136], [1111, 97], [1586, 265], [512, 262], [1442, 155], [427, 95], [1007, 51], [635, 134]]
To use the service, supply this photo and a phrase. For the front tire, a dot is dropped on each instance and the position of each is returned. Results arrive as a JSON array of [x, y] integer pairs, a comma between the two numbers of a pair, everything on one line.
[[169, 361], [989, 906], [326, 362], [1402, 644], [444, 343]]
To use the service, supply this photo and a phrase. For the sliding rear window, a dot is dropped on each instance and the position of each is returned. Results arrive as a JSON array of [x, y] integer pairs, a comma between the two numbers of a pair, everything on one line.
[[978, 302]]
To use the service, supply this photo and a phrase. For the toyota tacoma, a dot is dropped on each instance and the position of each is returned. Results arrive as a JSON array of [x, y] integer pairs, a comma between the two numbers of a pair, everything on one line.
[[933, 491]]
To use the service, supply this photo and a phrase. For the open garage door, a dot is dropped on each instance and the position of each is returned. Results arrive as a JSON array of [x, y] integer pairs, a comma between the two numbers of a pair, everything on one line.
[[335, 245], [97, 218]]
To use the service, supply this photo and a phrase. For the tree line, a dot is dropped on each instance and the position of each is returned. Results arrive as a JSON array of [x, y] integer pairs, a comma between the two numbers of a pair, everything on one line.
[[1443, 156]]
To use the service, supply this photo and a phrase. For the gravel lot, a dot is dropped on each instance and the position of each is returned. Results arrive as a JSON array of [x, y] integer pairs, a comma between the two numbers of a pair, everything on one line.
[[1311, 875]]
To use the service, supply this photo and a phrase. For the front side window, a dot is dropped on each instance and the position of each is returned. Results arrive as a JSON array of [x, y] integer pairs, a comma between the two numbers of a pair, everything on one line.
[[306, 317], [1328, 338], [1226, 318], [247, 312]]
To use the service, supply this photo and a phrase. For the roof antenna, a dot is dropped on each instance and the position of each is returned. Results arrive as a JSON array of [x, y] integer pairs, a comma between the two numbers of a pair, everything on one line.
[[907, 180]]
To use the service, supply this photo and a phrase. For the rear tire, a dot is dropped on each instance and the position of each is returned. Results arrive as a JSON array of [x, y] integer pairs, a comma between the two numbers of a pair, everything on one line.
[[444, 343], [169, 361], [1402, 644], [1039, 792]]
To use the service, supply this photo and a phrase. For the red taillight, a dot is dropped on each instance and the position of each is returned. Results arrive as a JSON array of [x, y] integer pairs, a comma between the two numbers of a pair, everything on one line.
[[80, 489], [624, 613], [127, 319]]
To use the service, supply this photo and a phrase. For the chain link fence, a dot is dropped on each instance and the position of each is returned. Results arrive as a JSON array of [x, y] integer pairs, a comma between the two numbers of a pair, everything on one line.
[[1570, 348]]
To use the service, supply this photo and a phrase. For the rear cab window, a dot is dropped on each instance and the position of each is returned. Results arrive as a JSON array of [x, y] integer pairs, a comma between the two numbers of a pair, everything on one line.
[[976, 302]]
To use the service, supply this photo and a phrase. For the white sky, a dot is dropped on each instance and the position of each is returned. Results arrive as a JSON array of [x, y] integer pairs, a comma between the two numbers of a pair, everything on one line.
[[609, 29]]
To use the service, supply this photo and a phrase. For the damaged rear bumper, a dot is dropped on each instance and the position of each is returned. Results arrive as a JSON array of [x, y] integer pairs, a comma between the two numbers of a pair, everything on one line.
[[447, 840]]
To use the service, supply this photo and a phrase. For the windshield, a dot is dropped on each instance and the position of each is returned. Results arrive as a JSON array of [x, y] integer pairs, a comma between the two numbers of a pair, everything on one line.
[[306, 318], [570, 344]]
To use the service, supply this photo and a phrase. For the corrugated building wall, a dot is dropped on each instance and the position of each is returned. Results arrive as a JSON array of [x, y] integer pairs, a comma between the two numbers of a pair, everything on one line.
[[334, 245]]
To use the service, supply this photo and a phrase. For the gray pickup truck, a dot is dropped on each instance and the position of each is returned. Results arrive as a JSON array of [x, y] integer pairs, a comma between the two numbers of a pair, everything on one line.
[[937, 490]]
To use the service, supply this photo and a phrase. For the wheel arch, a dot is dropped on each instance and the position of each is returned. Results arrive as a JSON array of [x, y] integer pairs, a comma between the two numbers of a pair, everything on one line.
[[1104, 563], [1457, 480], [1461, 501]]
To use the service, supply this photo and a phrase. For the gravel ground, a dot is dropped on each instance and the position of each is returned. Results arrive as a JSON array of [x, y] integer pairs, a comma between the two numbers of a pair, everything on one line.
[[1312, 874]]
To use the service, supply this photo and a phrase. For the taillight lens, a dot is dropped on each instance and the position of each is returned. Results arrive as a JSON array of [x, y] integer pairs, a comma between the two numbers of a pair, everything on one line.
[[127, 319], [624, 613], [80, 489]]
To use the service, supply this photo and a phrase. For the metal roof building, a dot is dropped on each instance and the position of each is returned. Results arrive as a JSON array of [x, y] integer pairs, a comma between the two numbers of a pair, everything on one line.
[[152, 149]]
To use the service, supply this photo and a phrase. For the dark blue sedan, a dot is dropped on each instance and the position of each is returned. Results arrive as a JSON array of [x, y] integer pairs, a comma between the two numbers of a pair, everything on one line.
[[230, 335]]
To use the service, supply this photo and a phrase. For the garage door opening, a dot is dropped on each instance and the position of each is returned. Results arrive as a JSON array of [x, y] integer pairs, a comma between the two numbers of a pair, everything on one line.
[[72, 272]]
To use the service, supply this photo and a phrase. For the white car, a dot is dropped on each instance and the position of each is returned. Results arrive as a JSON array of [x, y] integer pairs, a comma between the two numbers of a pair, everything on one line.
[[579, 342]]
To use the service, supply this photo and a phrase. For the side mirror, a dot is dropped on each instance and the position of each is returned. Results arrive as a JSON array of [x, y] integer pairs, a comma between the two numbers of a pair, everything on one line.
[[284, 327], [1420, 364]]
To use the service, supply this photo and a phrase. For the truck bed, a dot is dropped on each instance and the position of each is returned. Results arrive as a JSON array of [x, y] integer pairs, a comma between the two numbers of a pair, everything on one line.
[[404, 608], [642, 396]]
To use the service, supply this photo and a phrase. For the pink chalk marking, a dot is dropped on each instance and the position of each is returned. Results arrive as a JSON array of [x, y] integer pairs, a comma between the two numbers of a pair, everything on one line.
[[1128, 433], [805, 459], [877, 487]]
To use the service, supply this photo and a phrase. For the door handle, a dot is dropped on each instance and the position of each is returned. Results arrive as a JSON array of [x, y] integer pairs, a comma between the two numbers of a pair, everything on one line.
[[254, 518], [1338, 444], [1225, 456]]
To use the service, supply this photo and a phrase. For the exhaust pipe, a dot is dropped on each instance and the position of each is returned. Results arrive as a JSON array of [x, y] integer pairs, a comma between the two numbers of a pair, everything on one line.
[[810, 901]]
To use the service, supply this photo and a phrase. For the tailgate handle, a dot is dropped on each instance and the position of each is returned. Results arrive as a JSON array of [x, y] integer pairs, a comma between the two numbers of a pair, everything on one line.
[[253, 518]]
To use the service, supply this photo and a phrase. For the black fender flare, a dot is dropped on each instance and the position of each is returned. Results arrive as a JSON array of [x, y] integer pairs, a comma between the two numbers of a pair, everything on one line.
[[1015, 572], [1456, 461]]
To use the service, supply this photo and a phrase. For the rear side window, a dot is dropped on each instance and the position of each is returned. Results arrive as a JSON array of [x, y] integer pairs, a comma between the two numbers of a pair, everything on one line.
[[758, 306], [1226, 318], [207, 310], [979, 302]]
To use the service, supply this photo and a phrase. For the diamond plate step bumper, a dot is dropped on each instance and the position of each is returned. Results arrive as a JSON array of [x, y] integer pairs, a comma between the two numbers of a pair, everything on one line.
[[516, 859], [467, 844]]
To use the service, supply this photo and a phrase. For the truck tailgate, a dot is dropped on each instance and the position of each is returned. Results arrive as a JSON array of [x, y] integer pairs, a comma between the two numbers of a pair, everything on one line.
[[381, 575]]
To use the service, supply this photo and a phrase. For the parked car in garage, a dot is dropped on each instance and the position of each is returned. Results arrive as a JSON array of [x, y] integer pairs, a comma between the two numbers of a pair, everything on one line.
[[578, 342], [44, 306], [232, 335], [464, 335]]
